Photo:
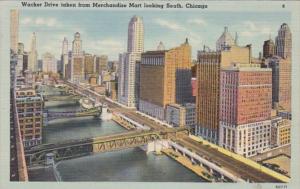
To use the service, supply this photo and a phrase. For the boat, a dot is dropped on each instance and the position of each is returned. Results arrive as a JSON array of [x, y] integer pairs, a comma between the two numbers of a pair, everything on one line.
[[86, 103]]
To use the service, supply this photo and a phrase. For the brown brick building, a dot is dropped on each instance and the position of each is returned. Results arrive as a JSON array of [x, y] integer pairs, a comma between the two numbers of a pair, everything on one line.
[[30, 112]]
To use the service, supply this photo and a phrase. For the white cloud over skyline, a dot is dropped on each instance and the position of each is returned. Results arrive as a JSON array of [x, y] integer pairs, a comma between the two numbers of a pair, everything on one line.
[[104, 33]]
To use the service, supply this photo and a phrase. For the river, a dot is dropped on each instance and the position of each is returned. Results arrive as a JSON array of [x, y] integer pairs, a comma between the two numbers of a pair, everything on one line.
[[124, 165]]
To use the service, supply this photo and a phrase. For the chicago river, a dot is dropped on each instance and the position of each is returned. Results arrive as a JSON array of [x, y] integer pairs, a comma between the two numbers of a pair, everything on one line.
[[125, 165]]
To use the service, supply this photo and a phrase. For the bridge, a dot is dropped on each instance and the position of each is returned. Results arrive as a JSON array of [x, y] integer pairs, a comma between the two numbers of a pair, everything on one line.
[[61, 97], [241, 168], [51, 115], [76, 148]]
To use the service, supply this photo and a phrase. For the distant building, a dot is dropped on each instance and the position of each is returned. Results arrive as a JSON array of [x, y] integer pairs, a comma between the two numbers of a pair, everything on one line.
[[64, 57], [165, 78], [88, 65], [127, 62], [14, 29], [283, 42], [33, 55], [30, 112], [225, 40], [281, 82], [245, 109], [101, 64], [280, 132], [268, 48], [49, 63], [208, 86], [77, 61]]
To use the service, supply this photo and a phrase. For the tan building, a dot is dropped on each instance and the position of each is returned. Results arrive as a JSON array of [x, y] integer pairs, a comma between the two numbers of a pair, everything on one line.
[[14, 29], [101, 64], [88, 65], [30, 112], [165, 79], [208, 82], [280, 132], [281, 82]]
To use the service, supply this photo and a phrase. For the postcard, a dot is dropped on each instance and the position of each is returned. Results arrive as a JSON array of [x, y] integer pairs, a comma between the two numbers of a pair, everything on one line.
[[149, 94]]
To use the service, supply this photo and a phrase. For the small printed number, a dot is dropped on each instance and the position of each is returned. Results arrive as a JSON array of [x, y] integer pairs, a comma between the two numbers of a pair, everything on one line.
[[281, 186]]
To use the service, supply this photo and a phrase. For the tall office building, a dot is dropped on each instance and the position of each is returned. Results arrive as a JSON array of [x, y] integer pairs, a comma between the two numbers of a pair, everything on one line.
[[127, 76], [101, 64], [208, 86], [284, 42], [33, 55], [88, 65], [245, 108], [281, 82], [64, 57], [49, 63], [20, 60], [268, 48], [77, 61], [14, 29], [165, 78]]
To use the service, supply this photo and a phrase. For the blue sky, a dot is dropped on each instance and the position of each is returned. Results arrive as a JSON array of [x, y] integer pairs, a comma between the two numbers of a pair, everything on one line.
[[105, 32]]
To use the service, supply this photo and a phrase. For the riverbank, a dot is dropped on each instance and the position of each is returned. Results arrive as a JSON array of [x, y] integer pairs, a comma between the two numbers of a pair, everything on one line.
[[200, 171]]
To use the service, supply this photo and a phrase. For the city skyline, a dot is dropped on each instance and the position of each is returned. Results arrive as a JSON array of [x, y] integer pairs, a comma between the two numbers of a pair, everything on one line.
[[101, 37]]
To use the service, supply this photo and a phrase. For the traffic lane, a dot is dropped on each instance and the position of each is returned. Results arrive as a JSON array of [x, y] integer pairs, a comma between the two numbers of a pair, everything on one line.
[[231, 165]]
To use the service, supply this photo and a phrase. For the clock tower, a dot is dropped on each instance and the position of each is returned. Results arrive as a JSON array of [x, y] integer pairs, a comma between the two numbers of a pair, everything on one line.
[[77, 44]]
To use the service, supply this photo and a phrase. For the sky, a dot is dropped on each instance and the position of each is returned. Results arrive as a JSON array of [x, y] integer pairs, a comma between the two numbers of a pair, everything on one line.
[[105, 31]]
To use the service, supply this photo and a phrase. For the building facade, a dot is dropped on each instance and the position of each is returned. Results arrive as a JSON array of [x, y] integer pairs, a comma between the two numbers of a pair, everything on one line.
[[30, 112], [165, 78], [127, 70], [209, 66], [77, 61], [280, 132], [245, 109], [49, 63], [64, 57], [33, 55], [181, 115], [281, 82], [268, 48], [14, 29], [283, 42], [88, 65]]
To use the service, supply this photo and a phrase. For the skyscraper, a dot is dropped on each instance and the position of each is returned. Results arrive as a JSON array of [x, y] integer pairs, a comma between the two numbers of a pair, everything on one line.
[[49, 63], [268, 48], [64, 56], [245, 108], [165, 78], [135, 46], [284, 42], [208, 91], [281, 82], [135, 41], [33, 55], [14, 29], [88, 65], [77, 61]]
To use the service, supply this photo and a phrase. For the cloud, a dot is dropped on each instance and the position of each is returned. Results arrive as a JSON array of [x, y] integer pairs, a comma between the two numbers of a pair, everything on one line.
[[40, 21], [197, 21], [108, 46], [253, 29], [169, 24]]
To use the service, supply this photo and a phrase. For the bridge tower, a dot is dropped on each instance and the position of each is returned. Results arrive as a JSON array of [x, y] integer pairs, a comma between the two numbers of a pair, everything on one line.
[[105, 115]]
